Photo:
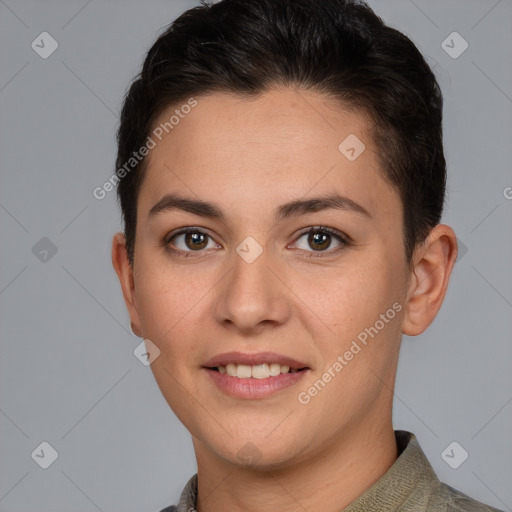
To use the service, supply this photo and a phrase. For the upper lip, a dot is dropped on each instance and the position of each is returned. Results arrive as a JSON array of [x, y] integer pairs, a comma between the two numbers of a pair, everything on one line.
[[253, 360]]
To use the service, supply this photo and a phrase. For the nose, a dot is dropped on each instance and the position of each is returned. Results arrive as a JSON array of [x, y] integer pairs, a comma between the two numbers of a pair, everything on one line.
[[252, 297]]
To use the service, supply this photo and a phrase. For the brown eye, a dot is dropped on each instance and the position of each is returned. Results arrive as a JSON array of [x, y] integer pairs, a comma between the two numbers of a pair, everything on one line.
[[196, 241], [187, 241], [320, 239]]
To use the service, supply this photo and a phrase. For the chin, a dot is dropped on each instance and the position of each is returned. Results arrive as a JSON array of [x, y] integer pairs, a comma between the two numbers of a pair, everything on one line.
[[259, 454]]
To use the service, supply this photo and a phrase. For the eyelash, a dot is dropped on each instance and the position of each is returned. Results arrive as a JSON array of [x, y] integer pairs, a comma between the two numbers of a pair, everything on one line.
[[345, 241]]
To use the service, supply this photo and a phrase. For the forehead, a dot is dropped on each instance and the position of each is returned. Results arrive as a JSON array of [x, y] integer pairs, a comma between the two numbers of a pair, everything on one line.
[[278, 145]]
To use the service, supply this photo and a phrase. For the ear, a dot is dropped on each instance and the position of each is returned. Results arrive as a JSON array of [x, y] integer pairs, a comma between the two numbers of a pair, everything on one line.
[[124, 272], [432, 262]]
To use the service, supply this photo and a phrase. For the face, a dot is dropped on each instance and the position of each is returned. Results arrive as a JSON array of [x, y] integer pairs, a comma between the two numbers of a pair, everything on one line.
[[321, 283]]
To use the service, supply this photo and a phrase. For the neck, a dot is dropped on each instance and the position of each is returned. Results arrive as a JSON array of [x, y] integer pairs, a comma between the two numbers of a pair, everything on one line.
[[328, 481]]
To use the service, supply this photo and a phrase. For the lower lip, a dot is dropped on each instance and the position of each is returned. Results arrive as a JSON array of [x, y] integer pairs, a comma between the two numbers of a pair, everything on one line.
[[254, 388]]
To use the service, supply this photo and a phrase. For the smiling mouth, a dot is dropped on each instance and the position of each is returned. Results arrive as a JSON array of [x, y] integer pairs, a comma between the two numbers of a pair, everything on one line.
[[260, 371]]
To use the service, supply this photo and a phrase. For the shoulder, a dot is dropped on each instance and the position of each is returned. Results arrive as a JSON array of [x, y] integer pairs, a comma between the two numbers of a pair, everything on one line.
[[187, 499], [448, 499]]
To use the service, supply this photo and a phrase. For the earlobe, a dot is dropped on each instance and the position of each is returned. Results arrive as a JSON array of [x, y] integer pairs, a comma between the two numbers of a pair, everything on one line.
[[124, 272], [432, 267]]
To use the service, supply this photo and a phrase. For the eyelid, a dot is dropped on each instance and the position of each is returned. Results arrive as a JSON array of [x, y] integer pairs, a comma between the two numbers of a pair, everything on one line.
[[343, 237], [185, 230]]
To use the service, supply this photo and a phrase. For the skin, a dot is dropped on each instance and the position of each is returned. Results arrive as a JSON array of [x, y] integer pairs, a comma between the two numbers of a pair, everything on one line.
[[249, 156]]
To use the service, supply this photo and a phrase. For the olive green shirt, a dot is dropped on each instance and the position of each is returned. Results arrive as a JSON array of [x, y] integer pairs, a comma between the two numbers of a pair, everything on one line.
[[409, 485]]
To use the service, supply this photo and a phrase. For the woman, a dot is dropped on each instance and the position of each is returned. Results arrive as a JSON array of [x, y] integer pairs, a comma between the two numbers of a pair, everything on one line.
[[282, 178]]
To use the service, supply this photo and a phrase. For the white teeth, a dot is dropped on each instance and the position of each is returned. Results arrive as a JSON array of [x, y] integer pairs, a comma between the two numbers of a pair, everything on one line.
[[275, 369], [243, 371], [231, 369], [260, 371]]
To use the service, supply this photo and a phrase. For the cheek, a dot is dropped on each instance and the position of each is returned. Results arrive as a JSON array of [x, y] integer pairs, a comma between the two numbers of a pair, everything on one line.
[[169, 300], [350, 304], [366, 342], [160, 300], [353, 297]]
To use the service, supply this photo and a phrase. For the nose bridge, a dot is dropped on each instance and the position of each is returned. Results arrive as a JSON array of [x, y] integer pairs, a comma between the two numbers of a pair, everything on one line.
[[251, 293]]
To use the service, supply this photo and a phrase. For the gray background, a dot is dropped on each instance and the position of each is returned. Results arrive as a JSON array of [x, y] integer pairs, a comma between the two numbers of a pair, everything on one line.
[[68, 374]]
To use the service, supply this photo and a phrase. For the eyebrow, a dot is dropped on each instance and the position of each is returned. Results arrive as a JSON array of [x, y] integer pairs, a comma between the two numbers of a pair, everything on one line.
[[293, 208]]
